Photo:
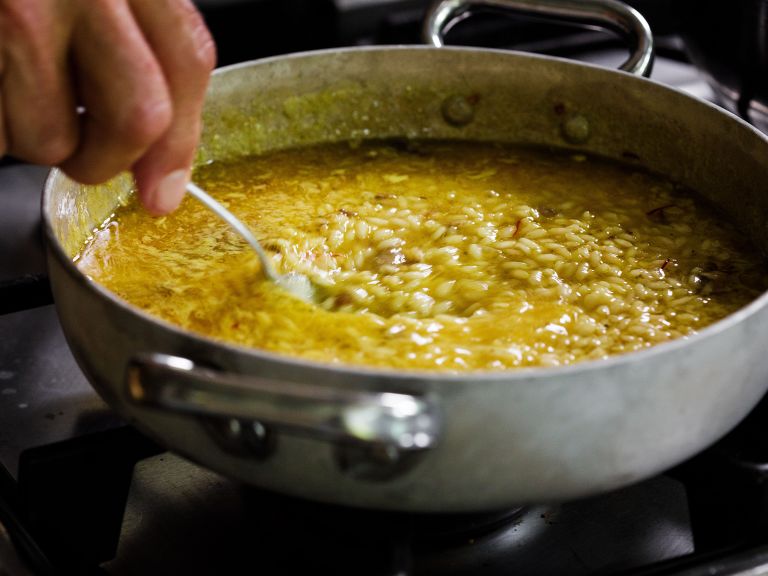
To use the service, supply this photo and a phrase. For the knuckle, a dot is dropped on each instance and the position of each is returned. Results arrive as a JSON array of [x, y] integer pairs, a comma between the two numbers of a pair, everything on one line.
[[56, 145], [92, 165], [20, 18], [49, 142], [204, 48], [52, 152], [143, 122], [29, 32], [80, 171]]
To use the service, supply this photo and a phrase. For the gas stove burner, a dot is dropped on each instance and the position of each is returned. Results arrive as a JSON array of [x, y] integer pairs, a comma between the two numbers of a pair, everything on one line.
[[426, 528], [438, 528]]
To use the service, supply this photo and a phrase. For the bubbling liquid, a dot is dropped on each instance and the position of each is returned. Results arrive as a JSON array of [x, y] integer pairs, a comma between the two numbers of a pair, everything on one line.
[[440, 256]]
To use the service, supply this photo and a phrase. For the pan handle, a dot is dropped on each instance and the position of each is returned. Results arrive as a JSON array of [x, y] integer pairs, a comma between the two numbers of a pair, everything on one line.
[[404, 422], [605, 14]]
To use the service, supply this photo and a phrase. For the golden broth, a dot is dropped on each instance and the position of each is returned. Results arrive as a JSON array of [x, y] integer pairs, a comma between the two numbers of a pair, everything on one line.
[[434, 256]]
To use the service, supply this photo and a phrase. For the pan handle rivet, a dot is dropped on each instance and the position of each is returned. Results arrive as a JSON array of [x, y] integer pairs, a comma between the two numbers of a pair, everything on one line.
[[458, 110], [575, 129]]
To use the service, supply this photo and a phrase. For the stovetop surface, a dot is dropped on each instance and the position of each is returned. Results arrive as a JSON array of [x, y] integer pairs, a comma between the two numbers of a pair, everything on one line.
[[637, 526], [181, 518], [44, 396]]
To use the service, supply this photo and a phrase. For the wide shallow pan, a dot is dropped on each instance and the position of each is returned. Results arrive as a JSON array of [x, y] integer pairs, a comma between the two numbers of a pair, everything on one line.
[[424, 441]]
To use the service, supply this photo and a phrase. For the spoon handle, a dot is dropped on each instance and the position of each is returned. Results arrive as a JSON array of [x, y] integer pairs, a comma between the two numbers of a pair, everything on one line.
[[237, 225]]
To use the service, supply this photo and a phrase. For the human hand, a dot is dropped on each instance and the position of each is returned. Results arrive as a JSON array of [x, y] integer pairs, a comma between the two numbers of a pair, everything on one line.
[[138, 68]]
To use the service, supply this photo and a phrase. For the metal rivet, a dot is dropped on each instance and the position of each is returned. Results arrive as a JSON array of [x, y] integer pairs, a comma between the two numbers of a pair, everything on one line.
[[250, 440], [458, 110], [575, 129], [376, 463]]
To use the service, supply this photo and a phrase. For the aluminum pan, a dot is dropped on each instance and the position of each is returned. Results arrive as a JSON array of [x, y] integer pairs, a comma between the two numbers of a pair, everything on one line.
[[554, 433]]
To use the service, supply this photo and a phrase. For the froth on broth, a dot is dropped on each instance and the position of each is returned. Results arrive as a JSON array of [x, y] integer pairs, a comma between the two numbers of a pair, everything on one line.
[[443, 256]]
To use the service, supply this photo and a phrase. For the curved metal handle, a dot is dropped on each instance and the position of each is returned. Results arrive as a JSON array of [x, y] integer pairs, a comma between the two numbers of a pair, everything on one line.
[[403, 421], [606, 14]]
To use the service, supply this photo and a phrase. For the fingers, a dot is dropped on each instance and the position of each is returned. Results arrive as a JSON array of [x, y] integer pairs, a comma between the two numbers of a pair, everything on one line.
[[40, 122], [185, 50], [139, 69], [123, 89]]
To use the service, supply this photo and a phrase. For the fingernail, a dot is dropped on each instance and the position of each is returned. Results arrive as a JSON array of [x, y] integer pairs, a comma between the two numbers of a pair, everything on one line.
[[170, 191]]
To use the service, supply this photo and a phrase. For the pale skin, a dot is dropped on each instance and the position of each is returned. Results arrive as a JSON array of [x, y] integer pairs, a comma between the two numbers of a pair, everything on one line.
[[98, 87]]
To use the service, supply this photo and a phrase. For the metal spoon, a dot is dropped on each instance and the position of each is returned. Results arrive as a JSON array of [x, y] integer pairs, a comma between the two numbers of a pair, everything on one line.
[[294, 283]]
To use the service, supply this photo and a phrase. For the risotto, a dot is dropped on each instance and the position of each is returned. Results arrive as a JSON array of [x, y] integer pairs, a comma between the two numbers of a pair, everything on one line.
[[434, 256]]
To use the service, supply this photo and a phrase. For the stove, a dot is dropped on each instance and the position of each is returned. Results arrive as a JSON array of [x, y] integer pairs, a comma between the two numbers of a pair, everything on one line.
[[83, 493]]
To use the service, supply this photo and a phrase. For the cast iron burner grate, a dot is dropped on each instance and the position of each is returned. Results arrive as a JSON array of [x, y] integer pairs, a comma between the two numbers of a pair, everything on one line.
[[67, 508], [65, 511]]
